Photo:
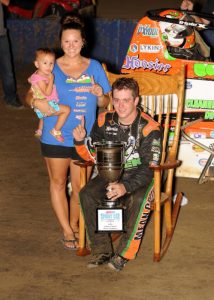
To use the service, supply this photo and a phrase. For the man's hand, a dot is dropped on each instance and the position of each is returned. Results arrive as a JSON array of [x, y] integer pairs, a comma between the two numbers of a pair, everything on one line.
[[115, 190], [187, 5], [79, 132]]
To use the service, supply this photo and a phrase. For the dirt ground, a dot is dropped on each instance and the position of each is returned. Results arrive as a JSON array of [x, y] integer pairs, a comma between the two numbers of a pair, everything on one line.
[[35, 266]]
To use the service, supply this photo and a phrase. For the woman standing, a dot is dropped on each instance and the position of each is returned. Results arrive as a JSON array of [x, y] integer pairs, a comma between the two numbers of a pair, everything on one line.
[[81, 84]]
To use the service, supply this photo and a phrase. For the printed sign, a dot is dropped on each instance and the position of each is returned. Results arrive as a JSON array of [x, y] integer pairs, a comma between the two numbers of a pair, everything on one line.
[[109, 219]]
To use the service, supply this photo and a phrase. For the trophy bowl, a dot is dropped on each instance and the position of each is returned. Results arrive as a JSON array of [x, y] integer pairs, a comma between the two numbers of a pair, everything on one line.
[[109, 162], [110, 159]]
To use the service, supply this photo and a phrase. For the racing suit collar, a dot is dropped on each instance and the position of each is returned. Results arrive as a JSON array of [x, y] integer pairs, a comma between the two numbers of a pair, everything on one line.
[[115, 117]]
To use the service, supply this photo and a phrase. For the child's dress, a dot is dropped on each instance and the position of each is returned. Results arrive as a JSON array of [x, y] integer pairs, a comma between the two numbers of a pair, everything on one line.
[[53, 97]]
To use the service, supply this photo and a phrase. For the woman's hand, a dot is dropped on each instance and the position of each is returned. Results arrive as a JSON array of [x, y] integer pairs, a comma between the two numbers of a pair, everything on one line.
[[115, 190], [96, 89], [43, 106], [79, 132]]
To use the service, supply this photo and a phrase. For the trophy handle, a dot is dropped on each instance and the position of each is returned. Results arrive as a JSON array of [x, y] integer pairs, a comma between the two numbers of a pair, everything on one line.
[[131, 142], [88, 141]]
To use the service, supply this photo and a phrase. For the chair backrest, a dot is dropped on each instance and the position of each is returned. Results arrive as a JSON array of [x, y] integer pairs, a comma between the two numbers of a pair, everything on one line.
[[162, 96]]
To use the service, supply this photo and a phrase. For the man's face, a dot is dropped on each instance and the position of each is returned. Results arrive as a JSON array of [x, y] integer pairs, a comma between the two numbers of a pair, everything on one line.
[[125, 105]]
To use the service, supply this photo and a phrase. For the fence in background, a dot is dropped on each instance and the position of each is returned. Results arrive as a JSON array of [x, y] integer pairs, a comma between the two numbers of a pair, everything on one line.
[[108, 40]]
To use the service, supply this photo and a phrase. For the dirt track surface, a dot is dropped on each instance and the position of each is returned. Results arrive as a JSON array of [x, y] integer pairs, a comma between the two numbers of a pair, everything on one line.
[[35, 266]]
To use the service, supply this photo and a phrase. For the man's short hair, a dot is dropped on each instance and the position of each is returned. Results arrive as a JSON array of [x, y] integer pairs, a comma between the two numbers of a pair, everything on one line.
[[125, 83]]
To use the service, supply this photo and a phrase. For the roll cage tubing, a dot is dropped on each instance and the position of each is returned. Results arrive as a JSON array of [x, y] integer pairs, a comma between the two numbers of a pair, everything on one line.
[[154, 15]]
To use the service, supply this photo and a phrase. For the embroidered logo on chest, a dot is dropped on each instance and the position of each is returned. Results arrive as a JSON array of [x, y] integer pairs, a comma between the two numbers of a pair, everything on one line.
[[84, 78]]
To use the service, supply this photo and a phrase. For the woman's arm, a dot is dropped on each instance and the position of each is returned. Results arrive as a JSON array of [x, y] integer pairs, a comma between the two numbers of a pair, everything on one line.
[[29, 97], [40, 104], [30, 100], [103, 101]]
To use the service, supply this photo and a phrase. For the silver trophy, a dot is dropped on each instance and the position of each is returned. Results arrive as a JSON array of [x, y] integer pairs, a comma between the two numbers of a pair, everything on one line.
[[110, 160]]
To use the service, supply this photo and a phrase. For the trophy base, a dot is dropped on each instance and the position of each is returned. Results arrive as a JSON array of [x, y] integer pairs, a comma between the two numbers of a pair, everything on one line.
[[110, 204], [109, 219]]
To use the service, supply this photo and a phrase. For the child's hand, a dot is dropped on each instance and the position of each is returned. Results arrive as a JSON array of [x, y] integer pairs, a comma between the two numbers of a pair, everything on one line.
[[51, 77]]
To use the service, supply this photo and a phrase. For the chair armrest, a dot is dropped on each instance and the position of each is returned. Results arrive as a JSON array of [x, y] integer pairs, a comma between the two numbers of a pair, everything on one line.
[[167, 165]]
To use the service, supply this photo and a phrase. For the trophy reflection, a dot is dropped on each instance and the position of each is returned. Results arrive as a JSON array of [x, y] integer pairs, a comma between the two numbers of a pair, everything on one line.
[[110, 160]]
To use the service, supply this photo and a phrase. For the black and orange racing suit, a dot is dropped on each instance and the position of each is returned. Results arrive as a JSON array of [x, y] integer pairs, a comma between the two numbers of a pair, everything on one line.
[[137, 179]]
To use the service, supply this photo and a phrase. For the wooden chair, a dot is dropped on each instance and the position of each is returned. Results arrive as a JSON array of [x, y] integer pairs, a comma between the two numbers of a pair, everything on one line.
[[158, 95]]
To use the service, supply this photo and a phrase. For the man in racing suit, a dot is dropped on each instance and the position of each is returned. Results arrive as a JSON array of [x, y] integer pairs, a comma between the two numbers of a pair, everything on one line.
[[136, 183]]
